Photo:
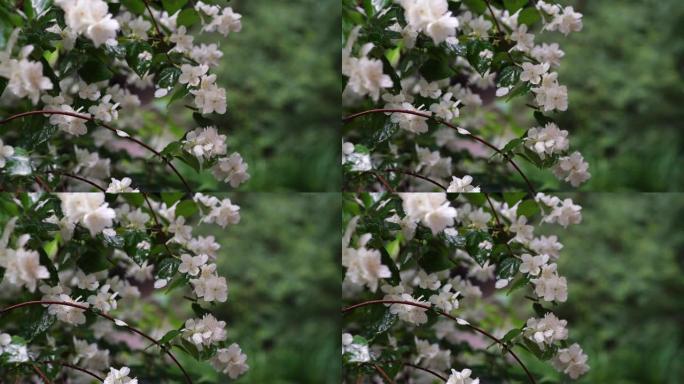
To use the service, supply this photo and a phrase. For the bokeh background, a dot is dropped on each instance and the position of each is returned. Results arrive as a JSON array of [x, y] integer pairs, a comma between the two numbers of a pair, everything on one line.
[[282, 263], [625, 76], [282, 76], [624, 264]]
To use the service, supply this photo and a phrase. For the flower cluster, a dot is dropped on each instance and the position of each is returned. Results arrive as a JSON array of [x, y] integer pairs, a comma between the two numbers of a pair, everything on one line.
[[90, 66], [431, 270], [90, 263], [430, 79]]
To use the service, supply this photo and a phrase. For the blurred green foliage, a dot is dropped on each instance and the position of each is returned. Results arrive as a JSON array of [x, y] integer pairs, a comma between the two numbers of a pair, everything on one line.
[[625, 72], [624, 266], [281, 73], [283, 266]]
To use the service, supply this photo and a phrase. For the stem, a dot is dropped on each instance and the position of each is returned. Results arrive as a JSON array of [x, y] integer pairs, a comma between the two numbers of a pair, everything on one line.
[[425, 115], [88, 118], [154, 21], [498, 221], [417, 175], [83, 179], [426, 370], [382, 373], [498, 27], [74, 367], [41, 374], [104, 315], [442, 313], [384, 182], [156, 220]]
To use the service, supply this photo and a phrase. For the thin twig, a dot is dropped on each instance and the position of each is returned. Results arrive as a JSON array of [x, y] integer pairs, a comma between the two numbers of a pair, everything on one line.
[[416, 175], [425, 115], [382, 373], [83, 179], [156, 220], [106, 316], [41, 374], [426, 370], [74, 367], [498, 27], [154, 21], [116, 132], [384, 182], [458, 321]]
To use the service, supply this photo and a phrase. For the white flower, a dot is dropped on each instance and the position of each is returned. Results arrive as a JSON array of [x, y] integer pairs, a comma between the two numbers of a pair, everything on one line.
[[209, 97], [205, 331], [121, 186], [566, 22], [547, 330], [230, 361], [5, 152], [550, 95], [366, 77], [191, 265], [462, 185], [407, 121], [207, 54], [181, 233], [88, 91], [356, 352], [431, 17], [205, 143], [228, 21], [88, 209], [22, 268], [90, 18], [549, 286], [105, 111], [532, 264], [103, 300], [191, 75], [26, 77], [533, 72], [204, 245], [462, 377], [572, 361], [547, 140], [70, 124], [523, 232], [232, 170], [209, 286], [548, 53], [547, 246], [182, 40], [65, 313], [431, 209], [119, 376], [445, 108], [565, 213], [364, 267], [572, 169], [223, 213], [445, 299], [409, 313]]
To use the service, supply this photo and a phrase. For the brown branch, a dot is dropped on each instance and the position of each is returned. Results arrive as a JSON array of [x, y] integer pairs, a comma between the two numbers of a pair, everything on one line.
[[426, 370], [425, 115], [154, 21], [384, 182], [382, 373], [83, 179], [416, 175], [74, 367], [104, 315], [41, 374], [116, 132], [498, 27], [156, 220], [442, 313]]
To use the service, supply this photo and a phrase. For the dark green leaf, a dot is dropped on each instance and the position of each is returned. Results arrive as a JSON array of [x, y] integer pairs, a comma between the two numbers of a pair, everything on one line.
[[3, 84], [167, 268], [477, 6], [510, 335], [508, 268], [186, 208], [542, 119], [171, 6], [170, 335], [529, 16], [528, 208], [135, 6], [93, 71], [513, 5], [168, 77], [38, 321], [508, 76], [170, 198], [188, 17]]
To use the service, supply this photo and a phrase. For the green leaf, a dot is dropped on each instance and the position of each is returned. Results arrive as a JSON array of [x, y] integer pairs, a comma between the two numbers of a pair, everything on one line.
[[199, 311], [188, 17], [529, 16], [435, 69], [477, 6], [37, 322], [508, 268], [511, 198], [473, 240], [132, 239], [528, 208], [167, 268], [135, 6], [521, 89], [474, 48], [133, 51], [542, 119], [170, 198], [179, 94], [190, 160], [171, 6], [186, 208], [517, 284], [168, 77], [3, 84], [383, 134], [170, 335], [513, 5], [190, 349], [93, 71], [508, 76], [510, 335], [38, 6]]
